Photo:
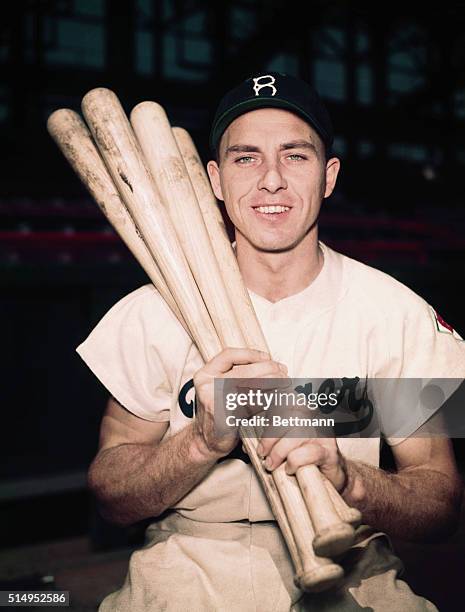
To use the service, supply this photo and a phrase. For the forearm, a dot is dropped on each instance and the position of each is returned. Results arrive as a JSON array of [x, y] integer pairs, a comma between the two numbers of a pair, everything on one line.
[[136, 481], [416, 504]]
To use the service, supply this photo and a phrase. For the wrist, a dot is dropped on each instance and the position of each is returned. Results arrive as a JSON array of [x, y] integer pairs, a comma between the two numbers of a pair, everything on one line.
[[203, 452], [200, 451], [210, 444], [353, 492]]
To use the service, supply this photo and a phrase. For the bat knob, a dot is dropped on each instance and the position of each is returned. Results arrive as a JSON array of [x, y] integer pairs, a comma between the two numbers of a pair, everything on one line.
[[319, 578], [334, 540]]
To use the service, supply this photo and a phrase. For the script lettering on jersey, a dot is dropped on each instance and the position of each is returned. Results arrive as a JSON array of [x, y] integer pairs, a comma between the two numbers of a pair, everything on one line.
[[187, 408], [352, 396], [347, 398]]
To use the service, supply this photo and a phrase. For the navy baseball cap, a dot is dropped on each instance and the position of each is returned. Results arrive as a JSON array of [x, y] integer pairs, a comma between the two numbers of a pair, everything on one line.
[[276, 90]]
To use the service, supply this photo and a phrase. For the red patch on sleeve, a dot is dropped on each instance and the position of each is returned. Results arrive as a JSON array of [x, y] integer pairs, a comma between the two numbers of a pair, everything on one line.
[[443, 323]]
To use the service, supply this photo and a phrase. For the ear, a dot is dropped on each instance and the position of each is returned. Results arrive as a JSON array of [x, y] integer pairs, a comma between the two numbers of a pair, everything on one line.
[[214, 174], [332, 170]]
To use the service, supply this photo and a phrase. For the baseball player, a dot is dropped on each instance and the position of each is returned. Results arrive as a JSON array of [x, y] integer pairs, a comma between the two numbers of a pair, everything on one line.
[[213, 543]]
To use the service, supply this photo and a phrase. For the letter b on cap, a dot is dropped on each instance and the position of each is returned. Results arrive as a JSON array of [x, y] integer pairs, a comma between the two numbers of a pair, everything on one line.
[[257, 86]]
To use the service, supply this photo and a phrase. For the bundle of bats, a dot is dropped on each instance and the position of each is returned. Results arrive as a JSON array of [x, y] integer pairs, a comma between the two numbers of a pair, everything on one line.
[[150, 183]]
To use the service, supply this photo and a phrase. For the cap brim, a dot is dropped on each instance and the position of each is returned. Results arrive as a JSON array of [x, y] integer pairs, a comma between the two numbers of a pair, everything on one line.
[[260, 102]]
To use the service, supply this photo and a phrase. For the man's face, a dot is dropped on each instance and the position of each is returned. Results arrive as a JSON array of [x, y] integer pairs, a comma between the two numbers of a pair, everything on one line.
[[272, 177]]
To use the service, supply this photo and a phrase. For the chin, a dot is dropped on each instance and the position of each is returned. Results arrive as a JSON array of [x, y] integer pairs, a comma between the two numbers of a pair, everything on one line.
[[275, 246], [284, 242], [271, 242]]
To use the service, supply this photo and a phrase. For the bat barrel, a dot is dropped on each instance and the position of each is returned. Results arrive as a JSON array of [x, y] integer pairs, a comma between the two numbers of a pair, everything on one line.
[[167, 167], [123, 157], [75, 142], [224, 252]]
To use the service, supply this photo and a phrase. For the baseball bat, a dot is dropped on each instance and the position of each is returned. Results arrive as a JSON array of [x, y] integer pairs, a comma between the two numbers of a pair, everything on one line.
[[153, 131], [75, 142], [126, 164], [123, 157], [333, 535], [324, 574], [224, 252], [167, 167], [347, 514]]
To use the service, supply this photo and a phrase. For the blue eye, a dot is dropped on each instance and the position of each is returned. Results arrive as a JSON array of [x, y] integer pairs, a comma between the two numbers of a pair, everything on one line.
[[244, 159], [296, 156]]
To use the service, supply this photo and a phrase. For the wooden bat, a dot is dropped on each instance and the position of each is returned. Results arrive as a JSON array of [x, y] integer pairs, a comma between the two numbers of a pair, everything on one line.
[[167, 167], [324, 574], [333, 534], [75, 142], [126, 164], [347, 514], [224, 252], [166, 164], [124, 176], [123, 157]]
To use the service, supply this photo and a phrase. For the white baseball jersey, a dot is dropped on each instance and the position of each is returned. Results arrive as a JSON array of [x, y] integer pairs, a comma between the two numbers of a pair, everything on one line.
[[353, 320]]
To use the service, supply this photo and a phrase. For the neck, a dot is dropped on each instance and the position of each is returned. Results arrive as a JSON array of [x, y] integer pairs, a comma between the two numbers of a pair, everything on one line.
[[277, 275]]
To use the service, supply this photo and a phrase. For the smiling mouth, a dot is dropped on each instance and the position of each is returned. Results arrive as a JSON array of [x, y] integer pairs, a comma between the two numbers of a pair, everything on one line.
[[271, 210]]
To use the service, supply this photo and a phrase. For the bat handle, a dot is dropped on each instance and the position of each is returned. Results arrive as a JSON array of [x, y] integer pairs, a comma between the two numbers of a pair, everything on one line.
[[347, 514], [314, 573], [333, 536]]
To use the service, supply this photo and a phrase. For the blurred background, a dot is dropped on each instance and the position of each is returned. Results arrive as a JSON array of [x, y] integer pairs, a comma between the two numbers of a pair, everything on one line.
[[392, 78]]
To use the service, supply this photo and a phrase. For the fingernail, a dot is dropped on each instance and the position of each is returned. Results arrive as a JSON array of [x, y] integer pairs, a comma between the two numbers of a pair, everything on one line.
[[260, 450], [268, 463]]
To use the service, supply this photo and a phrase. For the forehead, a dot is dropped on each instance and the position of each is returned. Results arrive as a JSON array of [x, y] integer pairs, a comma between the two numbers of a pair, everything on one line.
[[273, 125]]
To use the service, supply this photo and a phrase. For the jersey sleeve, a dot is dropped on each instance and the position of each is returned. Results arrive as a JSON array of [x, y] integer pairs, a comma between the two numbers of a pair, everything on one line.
[[426, 346], [426, 366], [125, 351]]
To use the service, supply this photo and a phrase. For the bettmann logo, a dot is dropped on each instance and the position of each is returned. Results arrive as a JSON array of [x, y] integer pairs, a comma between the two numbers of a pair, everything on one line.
[[258, 86]]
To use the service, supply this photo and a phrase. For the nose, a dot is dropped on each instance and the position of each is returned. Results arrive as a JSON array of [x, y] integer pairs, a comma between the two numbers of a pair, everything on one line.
[[272, 178]]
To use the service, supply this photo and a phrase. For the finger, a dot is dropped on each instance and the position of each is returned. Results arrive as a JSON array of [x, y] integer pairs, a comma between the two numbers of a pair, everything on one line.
[[265, 445], [307, 453], [259, 369], [280, 450], [272, 434], [268, 388], [224, 361]]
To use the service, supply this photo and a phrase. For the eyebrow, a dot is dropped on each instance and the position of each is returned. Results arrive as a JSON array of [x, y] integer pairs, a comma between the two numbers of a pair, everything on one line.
[[294, 144], [298, 144], [241, 148]]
